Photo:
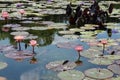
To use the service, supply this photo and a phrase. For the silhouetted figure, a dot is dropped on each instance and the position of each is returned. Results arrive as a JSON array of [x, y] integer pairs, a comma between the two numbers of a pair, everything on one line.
[[69, 10], [78, 12], [80, 22], [72, 20], [86, 15]]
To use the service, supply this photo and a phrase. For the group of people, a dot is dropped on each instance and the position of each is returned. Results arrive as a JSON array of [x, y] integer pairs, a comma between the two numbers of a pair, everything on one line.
[[90, 15]]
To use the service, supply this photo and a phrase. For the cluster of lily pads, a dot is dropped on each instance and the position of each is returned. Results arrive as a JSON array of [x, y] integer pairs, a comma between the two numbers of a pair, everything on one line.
[[88, 34]]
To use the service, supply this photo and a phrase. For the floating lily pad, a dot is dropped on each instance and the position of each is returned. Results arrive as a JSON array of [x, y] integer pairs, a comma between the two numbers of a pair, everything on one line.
[[61, 65], [67, 45], [21, 28], [27, 22], [101, 61], [91, 53], [3, 65], [71, 75], [21, 33], [114, 68], [71, 36], [12, 25], [113, 57], [76, 29], [66, 32], [39, 28], [98, 73], [19, 54], [58, 26], [115, 78], [87, 36], [47, 22], [7, 48]]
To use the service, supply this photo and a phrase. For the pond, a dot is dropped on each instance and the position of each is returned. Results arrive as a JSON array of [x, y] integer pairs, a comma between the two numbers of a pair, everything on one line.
[[56, 41]]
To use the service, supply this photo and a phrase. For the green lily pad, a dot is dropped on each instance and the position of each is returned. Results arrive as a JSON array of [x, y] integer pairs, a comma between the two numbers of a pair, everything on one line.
[[61, 65], [91, 53], [71, 36], [39, 28], [71, 75], [68, 45], [98, 73], [115, 78], [101, 61], [113, 57], [3, 65], [21, 28], [114, 68], [21, 33], [66, 32]]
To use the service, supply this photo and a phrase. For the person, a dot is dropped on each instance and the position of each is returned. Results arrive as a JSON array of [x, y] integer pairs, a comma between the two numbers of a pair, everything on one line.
[[72, 19], [78, 12], [69, 10], [86, 15]]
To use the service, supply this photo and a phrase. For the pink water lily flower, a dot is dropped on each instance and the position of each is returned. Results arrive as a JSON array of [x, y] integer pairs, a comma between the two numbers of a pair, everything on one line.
[[104, 42], [19, 38], [5, 15], [79, 48], [22, 11], [33, 43]]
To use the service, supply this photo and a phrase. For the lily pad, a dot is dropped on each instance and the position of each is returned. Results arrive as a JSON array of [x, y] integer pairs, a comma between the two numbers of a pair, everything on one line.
[[98, 73], [7, 48], [71, 75], [67, 45], [114, 68], [27, 22], [3, 65], [76, 30], [21, 33], [113, 57], [19, 54], [101, 61], [61, 65], [12, 25], [21, 28], [39, 28], [115, 78], [71, 36], [91, 53], [66, 32]]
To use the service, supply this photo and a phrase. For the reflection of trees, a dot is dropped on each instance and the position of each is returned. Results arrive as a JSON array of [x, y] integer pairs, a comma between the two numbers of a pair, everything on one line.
[[3, 35], [45, 37]]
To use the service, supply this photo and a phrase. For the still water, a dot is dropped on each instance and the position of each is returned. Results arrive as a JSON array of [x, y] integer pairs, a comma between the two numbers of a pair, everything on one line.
[[46, 52]]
